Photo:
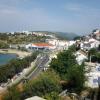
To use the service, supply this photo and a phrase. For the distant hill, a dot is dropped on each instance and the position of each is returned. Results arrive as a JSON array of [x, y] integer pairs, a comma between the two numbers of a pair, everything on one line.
[[68, 36], [61, 35]]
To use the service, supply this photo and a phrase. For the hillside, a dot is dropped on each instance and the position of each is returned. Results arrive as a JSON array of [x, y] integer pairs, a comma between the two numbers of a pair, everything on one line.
[[60, 35], [63, 35]]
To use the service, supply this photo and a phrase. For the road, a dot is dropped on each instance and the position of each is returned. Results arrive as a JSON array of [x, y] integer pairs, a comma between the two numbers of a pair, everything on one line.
[[40, 65]]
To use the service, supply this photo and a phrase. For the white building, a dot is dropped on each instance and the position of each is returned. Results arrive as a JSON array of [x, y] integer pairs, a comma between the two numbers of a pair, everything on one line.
[[40, 46], [71, 43], [35, 98], [96, 34], [60, 44], [96, 31], [52, 41], [27, 32], [39, 33], [80, 56], [91, 43], [12, 33], [93, 77]]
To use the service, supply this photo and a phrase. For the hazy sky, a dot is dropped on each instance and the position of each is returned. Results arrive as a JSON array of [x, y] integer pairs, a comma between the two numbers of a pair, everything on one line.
[[79, 16]]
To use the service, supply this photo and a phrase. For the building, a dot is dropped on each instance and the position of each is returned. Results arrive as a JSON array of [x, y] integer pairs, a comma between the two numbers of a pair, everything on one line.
[[96, 34], [71, 43], [80, 56], [35, 98], [40, 46], [91, 43], [39, 33], [27, 32], [93, 76], [59, 44]]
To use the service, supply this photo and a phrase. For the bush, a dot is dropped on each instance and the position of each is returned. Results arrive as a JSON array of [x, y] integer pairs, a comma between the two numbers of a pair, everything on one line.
[[44, 84], [15, 66]]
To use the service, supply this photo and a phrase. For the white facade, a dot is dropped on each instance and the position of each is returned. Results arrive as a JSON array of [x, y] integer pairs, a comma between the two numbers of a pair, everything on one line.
[[92, 43], [93, 77], [60, 44], [92, 81], [35, 98], [39, 34], [80, 57], [97, 31], [28, 46], [12, 33], [27, 32], [71, 43], [37, 47], [52, 41]]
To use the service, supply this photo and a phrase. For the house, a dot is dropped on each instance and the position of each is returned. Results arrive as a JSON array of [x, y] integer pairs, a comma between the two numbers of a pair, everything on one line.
[[40, 46], [39, 33], [85, 46], [92, 81], [80, 56], [52, 41], [93, 77], [59, 44], [71, 43], [91, 43], [35, 98], [27, 32], [96, 34], [62, 45], [12, 33]]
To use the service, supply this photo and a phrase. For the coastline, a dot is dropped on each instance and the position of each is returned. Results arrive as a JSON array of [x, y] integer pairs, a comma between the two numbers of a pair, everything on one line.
[[6, 58], [20, 54], [4, 53]]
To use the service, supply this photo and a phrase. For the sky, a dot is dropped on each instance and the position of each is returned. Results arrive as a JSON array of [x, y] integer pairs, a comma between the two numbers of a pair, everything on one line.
[[77, 16]]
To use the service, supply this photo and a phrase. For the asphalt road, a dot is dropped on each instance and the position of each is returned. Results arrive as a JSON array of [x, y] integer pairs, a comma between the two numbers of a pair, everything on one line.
[[40, 65]]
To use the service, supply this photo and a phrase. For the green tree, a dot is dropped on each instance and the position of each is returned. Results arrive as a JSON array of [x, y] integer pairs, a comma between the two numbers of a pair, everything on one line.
[[15, 66], [66, 66], [94, 55], [3, 45], [76, 77], [13, 94], [72, 49], [52, 96], [63, 61], [77, 38], [98, 56], [91, 53], [44, 84]]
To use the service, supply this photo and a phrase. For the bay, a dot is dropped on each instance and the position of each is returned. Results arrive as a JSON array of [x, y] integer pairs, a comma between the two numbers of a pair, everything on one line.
[[5, 58]]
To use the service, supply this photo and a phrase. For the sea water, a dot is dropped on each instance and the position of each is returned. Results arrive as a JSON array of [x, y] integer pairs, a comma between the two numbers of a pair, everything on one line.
[[5, 58]]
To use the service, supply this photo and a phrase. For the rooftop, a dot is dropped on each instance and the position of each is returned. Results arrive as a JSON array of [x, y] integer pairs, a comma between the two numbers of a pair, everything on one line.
[[35, 98], [42, 44]]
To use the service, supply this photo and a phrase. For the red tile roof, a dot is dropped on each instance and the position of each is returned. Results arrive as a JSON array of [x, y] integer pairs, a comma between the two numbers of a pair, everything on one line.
[[42, 44]]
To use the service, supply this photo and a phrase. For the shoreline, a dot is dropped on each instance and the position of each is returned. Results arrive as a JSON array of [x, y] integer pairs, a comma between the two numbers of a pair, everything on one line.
[[18, 53], [7, 57], [4, 53], [9, 53]]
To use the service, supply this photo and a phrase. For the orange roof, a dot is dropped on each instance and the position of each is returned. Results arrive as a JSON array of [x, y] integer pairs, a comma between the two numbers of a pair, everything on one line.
[[42, 44]]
